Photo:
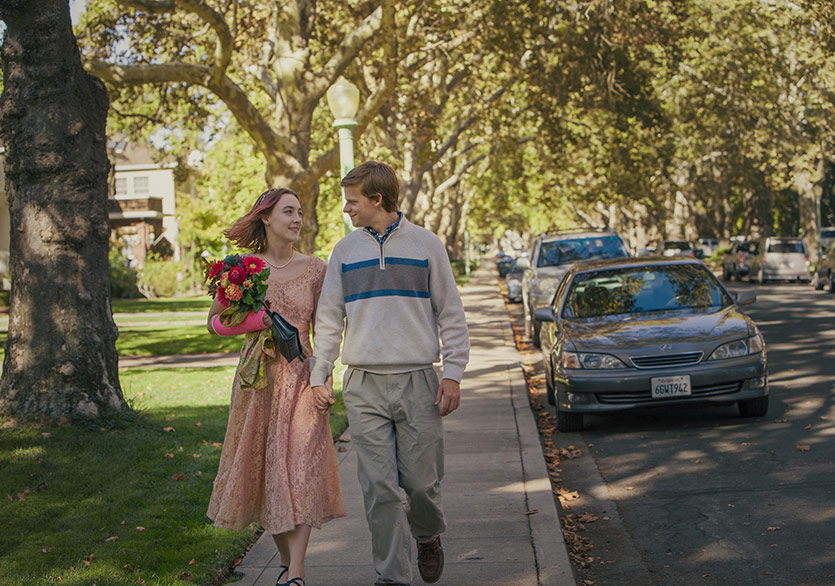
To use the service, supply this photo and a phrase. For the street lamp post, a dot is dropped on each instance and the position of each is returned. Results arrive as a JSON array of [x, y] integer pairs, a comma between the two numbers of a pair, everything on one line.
[[343, 101]]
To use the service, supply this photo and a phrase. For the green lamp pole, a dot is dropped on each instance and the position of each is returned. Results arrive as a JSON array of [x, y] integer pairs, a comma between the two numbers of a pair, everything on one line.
[[343, 101]]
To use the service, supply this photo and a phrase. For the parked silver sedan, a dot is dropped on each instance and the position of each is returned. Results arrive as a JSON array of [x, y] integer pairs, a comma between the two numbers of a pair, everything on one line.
[[628, 333]]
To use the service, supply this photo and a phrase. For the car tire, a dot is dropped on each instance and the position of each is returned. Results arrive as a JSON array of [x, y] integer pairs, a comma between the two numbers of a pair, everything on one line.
[[754, 407], [726, 276], [831, 283], [550, 393], [567, 422], [536, 328]]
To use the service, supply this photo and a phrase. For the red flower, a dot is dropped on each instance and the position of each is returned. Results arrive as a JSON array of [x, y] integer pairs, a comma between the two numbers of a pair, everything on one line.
[[221, 296], [253, 264], [237, 275], [215, 269]]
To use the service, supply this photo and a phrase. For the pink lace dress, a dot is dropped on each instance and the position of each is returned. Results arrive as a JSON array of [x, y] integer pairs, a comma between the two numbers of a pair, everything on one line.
[[278, 465]]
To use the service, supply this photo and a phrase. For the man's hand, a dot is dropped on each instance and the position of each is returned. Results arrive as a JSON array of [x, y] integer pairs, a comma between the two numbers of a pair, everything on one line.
[[449, 396], [323, 396]]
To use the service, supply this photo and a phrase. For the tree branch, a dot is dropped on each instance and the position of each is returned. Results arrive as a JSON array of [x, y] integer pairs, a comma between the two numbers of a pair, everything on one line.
[[223, 47], [235, 99]]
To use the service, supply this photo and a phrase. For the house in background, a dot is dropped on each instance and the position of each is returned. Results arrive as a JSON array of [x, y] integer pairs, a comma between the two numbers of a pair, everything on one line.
[[141, 203]]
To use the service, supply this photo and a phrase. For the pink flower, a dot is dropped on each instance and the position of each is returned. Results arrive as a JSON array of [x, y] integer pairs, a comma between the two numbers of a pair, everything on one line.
[[237, 275], [233, 293], [253, 265], [247, 284]]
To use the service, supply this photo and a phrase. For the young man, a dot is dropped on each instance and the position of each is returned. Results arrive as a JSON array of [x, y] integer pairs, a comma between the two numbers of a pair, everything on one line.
[[390, 286]]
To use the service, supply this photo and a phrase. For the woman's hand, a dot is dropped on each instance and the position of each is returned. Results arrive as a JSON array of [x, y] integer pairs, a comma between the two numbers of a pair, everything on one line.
[[323, 396]]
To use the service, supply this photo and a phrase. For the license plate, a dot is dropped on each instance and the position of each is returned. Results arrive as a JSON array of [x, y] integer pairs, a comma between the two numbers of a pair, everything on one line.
[[670, 386]]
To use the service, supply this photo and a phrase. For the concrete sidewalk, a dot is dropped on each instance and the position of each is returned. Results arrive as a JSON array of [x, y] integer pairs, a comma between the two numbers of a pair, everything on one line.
[[503, 528]]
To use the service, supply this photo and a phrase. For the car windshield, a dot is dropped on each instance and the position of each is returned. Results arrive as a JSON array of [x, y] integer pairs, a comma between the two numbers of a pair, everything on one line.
[[570, 251], [786, 247], [643, 290]]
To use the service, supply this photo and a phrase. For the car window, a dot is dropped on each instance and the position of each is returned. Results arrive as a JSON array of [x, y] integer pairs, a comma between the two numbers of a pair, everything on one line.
[[786, 247], [750, 247], [570, 251], [827, 233], [681, 245], [644, 290]]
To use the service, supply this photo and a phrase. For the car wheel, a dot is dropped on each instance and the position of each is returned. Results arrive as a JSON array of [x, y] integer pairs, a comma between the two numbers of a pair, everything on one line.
[[817, 282], [537, 328], [569, 421], [754, 407], [726, 276], [831, 283], [550, 394]]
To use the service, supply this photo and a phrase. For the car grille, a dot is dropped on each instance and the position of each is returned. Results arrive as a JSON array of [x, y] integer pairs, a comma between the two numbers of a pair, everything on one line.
[[665, 360], [646, 396]]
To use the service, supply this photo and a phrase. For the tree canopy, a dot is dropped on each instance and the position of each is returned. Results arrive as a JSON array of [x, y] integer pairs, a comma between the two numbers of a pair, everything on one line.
[[660, 118]]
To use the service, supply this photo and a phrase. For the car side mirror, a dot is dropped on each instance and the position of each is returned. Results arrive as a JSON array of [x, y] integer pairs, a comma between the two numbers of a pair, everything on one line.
[[745, 296], [544, 314], [522, 263]]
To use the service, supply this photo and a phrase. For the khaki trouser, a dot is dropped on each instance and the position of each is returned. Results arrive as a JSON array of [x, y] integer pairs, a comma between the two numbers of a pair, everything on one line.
[[397, 433]]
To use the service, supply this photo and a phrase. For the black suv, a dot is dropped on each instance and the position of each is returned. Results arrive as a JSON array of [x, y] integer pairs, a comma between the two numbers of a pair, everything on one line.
[[552, 254]]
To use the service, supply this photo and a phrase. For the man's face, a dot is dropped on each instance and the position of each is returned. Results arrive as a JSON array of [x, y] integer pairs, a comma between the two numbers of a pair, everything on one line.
[[362, 210]]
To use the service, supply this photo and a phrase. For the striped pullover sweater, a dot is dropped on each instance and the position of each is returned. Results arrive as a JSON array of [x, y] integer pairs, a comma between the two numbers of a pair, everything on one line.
[[392, 300]]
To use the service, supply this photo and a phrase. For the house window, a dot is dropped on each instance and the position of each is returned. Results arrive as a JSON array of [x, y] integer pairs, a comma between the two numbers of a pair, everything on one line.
[[121, 186], [140, 185]]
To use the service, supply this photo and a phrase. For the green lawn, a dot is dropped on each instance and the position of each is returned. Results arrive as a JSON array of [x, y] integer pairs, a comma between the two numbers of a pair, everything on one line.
[[125, 504], [122, 506]]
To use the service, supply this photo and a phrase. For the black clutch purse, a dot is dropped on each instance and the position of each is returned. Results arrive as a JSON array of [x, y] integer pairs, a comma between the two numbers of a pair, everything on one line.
[[286, 337]]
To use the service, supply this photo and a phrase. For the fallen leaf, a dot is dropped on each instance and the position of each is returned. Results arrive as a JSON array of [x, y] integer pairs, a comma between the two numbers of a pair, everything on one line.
[[192, 561], [774, 528], [195, 455], [178, 476], [531, 512], [113, 538], [198, 423], [169, 455], [140, 529], [780, 420], [46, 434], [803, 448], [46, 550], [185, 576], [808, 427], [216, 444]]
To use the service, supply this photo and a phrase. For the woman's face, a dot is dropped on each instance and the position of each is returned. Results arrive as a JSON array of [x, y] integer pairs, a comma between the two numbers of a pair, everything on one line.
[[285, 220]]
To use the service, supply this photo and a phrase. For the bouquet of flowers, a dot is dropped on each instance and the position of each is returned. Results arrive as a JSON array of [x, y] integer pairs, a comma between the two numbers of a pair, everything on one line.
[[238, 281]]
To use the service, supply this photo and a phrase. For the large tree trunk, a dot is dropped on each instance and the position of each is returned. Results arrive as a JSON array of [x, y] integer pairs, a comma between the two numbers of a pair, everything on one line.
[[61, 349]]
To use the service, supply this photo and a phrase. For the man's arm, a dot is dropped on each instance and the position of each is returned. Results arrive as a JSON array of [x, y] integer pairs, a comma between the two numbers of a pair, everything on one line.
[[330, 322]]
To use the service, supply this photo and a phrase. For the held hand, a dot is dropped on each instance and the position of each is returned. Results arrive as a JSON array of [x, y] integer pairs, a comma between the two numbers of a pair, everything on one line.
[[323, 396], [449, 396]]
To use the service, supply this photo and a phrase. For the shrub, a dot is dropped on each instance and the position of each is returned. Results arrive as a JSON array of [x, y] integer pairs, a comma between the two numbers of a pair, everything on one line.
[[158, 278], [122, 277]]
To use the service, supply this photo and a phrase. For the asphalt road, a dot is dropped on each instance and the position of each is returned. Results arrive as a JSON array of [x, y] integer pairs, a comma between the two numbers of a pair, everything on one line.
[[701, 496]]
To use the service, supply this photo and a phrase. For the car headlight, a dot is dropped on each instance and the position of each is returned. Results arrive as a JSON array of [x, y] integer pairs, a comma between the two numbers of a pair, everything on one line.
[[737, 348], [589, 360]]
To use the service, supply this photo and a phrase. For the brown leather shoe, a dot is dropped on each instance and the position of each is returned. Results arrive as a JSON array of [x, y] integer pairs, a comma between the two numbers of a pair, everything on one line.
[[431, 560]]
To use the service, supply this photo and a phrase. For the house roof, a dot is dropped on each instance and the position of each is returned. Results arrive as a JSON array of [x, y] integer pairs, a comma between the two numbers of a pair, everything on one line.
[[125, 153]]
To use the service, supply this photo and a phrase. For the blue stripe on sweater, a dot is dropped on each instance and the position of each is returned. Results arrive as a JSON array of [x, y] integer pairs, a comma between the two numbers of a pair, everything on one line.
[[414, 262], [387, 293], [359, 265]]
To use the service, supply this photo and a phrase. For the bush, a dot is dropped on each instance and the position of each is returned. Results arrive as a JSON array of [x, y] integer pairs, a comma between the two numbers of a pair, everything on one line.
[[168, 278], [158, 278], [122, 277]]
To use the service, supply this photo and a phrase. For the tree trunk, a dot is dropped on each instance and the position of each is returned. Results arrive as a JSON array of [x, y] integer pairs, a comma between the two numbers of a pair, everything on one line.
[[61, 349]]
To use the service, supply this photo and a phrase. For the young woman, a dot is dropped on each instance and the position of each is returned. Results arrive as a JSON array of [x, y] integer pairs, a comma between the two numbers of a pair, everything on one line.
[[278, 465]]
